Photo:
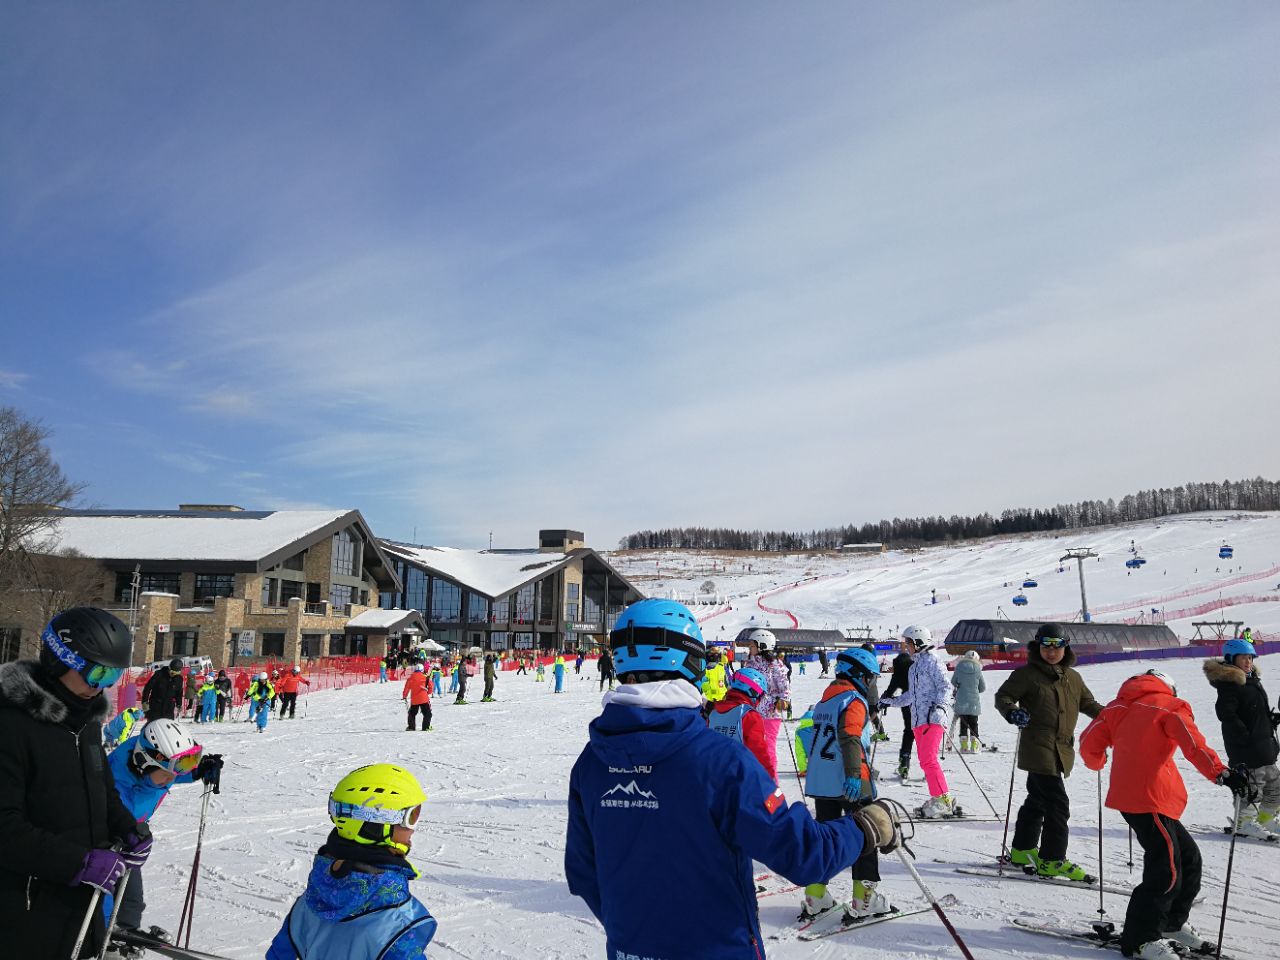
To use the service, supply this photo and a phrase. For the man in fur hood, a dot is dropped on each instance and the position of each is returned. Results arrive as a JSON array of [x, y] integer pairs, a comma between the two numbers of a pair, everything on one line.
[[60, 815], [1248, 732]]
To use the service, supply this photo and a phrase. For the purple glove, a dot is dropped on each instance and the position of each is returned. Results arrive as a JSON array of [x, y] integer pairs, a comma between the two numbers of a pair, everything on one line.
[[137, 847], [102, 869]]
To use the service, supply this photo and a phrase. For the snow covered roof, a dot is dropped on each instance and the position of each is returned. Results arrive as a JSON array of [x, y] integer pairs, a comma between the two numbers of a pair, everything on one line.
[[384, 620], [237, 539], [490, 572]]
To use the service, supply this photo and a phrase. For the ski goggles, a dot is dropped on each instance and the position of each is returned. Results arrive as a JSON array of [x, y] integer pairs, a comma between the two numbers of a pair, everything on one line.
[[1053, 643], [394, 818], [178, 764], [94, 674]]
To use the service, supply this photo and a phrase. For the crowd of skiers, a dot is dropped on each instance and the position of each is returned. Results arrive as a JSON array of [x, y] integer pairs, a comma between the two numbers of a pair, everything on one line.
[[685, 745]]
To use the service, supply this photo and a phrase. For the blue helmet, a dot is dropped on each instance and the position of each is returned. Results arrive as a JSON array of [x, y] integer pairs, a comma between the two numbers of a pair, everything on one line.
[[751, 682], [1235, 647], [851, 662], [658, 640]]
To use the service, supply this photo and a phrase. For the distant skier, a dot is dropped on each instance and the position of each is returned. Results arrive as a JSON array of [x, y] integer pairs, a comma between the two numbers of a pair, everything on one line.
[[900, 679], [357, 902], [437, 678], [417, 694], [462, 682], [928, 696], [124, 726], [540, 673], [490, 677], [577, 665], [194, 680], [162, 696], [1045, 699], [208, 694], [839, 779], [657, 795], [777, 698], [559, 672], [714, 686], [735, 716], [382, 671], [605, 666], [1248, 732], [223, 684], [1143, 726], [288, 691], [260, 695], [969, 686]]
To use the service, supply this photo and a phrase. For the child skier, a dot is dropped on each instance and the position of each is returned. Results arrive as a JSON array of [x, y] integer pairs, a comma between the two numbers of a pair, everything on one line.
[[260, 695], [540, 673], [122, 727], [657, 795], [1044, 699], [288, 691], [777, 696], [927, 695], [714, 687], [1248, 732], [417, 694], [437, 678], [193, 682], [145, 768], [357, 902], [838, 777], [969, 686], [900, 679], [736, 718], [1142, 726], [208, 694], [223, 683], [559, 672]]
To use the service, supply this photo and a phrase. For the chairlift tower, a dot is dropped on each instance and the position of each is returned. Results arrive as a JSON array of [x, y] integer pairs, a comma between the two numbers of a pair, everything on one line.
[[1080, 555]]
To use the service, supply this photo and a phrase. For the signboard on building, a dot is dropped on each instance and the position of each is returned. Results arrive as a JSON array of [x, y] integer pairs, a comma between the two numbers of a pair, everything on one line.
[[245, 645], [585, 628], [162, 628]]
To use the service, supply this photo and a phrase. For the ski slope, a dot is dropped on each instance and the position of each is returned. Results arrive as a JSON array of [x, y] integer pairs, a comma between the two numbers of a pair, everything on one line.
[[490, 845], [1184, 580]]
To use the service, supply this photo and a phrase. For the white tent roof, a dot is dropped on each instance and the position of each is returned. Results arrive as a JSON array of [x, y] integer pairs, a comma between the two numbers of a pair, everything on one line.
[[380, 619], [491, 572], [228, 537]]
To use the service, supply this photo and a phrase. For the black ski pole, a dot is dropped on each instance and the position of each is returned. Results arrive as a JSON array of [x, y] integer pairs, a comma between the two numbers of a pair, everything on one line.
[[1008, 809], [1102, 909], [902, 852], [1131, 850], [1226, 883], [973, 776]]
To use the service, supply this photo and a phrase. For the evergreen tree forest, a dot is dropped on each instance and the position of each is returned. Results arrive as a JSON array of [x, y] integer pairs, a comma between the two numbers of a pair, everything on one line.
[[1256, 494]]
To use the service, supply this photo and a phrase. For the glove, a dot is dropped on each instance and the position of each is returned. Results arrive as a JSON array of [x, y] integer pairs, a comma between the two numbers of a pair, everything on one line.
[[881, 827], [782, 705], [852, 788], [210, 771], [101, 869], [1018, 717], [1237, 781], [137, 846]]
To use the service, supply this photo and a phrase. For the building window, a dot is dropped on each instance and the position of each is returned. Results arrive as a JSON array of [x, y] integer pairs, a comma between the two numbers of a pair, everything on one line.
[[547, 603], [10, 638], [446, 601], [590, 610], [571, 612], [573, 591], [211, 585], [359, 645], [273, 644], [415, 589], [311, 645], [477, 609], [296, 562], [154, 582], [278, 593], [501, 610], [340, 596], [524, 604], [337, 644], [346, 554], [184, 642], [524, 641], [498, 641]]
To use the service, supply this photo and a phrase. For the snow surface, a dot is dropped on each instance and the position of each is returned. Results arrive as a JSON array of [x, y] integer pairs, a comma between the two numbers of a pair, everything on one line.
[[378, 619], [491, 843], [492, 572], [188, 538]]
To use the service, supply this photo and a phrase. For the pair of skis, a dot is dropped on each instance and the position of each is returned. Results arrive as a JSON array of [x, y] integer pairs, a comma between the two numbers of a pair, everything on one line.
[[136, 938], [1103, 936], [835, 921]]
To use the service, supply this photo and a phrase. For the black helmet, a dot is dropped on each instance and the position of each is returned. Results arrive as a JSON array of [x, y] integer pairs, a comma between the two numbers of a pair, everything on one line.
[[1052, 630], [176, 664], [84, 637]]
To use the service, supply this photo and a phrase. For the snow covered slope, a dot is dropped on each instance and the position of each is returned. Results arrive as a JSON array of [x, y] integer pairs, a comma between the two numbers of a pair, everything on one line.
[[1183, 579], [490, 846]]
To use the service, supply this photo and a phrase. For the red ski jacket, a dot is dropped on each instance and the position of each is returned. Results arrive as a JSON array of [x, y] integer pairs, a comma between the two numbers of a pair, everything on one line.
[[417, 689], [752, 728], [1142, 726]]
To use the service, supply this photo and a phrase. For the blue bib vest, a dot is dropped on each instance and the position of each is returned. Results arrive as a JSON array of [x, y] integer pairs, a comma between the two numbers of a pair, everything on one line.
[[826, 774], [729, 723], [366, 936]]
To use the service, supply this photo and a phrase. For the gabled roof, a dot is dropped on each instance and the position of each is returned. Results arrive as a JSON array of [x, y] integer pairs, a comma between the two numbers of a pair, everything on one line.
[[388, 621], [801, 638], [493, 573], [254, 540]]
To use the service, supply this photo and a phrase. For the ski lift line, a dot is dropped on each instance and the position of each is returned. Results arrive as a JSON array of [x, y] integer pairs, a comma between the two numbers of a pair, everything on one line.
[[1223, 603], [1179, 595]]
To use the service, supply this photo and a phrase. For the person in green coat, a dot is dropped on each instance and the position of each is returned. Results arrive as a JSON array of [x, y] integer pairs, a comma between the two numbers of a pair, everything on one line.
[[1045, 699]]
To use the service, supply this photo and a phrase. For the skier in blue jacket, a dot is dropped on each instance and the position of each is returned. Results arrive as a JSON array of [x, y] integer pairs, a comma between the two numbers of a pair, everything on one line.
[[656, 795], [145, 768]]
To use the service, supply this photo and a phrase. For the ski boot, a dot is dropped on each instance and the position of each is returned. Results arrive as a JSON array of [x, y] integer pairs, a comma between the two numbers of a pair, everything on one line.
[[1157, 950], [867, 902], [879, 737], [118, 950], [904, 771], [817, 901], [1028, 860], [939, 807], [1190, 938], [1064, 869], [1249, 826], [1268, 821]]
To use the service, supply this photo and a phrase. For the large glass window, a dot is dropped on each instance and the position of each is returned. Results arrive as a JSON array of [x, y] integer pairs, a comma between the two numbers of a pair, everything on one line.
[[571, 612], [155, 582], [477, 609], [502, 609], [346, 551], [415, 589], [498, 641], [278, 593], [590, 610], [340, 596], [337, 644], [184, 642], [273, 644], [547, 602], [446, 601], [312, 644], [524, 604], [296, 562], [211, 585], [572, 591], [523, 641]]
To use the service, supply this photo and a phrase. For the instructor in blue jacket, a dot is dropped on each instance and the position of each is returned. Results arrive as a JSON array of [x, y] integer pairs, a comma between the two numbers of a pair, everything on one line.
[[665, 813]]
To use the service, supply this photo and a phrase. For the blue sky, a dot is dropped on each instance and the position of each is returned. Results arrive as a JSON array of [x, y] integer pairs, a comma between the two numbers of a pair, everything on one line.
[[496, 266]]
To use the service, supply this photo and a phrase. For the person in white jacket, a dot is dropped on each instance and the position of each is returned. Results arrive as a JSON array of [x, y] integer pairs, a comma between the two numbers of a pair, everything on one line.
[[929, 696]]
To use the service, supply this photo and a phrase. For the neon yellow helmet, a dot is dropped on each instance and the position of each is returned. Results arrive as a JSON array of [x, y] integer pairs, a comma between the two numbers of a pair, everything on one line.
[[369, 801]]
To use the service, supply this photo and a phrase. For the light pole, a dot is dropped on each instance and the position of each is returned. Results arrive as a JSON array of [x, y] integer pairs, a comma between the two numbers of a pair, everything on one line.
[[1079, 556]]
